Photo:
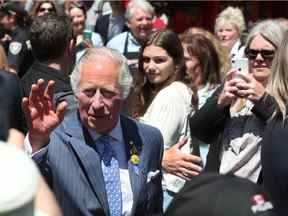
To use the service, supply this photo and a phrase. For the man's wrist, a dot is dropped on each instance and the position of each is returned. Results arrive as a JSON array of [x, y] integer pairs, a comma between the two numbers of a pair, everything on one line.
[[37, 141]]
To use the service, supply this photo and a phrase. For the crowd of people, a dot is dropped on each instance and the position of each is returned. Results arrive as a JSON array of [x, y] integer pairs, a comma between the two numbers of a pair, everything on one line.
[[127, 119]]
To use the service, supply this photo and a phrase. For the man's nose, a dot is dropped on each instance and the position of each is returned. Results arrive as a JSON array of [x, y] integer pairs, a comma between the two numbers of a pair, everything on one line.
[[97, 100], [144, 22]]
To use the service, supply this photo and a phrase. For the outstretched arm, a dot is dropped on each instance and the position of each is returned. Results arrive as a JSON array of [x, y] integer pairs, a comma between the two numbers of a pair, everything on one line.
[[180, 164], [41, 115]]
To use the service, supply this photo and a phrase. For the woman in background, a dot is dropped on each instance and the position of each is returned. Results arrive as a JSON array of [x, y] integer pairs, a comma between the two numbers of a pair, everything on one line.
[[43, 7], [274, 147], [203, 71], [163, 100], [229, 27], [234, 119], [222, 52], [84, 38]]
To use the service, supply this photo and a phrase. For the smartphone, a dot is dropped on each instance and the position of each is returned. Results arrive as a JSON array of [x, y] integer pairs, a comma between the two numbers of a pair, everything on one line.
[[87, 35], [241, 65]]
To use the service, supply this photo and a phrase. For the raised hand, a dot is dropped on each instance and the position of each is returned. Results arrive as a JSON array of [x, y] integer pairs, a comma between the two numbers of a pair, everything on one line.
[[180, 164], [229, 91], [41, 115], [249, 88]]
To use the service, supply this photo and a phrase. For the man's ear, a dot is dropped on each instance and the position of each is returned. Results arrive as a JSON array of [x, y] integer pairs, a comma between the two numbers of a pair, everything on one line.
[[128, 24]]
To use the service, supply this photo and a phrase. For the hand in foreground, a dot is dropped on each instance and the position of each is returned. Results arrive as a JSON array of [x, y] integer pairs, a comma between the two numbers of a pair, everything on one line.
[[229, 91], [41, 115], [180, 164], [250, 88]]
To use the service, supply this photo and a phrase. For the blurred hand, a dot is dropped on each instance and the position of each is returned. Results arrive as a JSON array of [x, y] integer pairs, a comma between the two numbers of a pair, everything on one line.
[[250, 88], [41, 116], [229, 91], [180, 164]]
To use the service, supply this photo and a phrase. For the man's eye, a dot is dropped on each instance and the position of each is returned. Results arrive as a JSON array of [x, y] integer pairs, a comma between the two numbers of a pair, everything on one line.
[[89, 92], [107, 93]]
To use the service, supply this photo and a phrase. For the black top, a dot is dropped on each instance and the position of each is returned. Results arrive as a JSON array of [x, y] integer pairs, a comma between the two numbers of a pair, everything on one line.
[[208, 123], [39, 70], [102, 26], [274, 156], [19, 53], [11, 115]]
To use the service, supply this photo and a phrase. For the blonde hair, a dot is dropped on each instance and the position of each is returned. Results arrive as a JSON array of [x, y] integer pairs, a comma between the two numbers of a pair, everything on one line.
[[232, 16], [278, 82], [269, 29]]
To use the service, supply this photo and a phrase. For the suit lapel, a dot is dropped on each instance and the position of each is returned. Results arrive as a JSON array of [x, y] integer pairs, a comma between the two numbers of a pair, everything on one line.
[[88, 158], [136, 172]]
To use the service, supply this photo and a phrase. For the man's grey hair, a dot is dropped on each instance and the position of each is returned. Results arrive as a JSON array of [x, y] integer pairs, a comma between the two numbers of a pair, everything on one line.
[[270, 29], [138, 4], [125, 80]]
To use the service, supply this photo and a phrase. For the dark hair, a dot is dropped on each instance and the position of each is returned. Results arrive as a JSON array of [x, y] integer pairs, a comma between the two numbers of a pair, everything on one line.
[[38, 4], [50, 35], [16, 10], [145, 91], [79, 5], [203, 49]]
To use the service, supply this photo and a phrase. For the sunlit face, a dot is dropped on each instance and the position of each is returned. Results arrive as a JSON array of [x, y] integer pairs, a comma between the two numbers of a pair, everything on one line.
[[141, 24], [99, 96], [158, 65], [260, 67], [228, 35], [193, 68], [78, 20], [45, 8]]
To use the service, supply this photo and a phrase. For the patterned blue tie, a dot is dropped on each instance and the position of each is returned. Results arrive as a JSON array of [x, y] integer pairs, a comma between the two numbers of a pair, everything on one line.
[[110, 169]]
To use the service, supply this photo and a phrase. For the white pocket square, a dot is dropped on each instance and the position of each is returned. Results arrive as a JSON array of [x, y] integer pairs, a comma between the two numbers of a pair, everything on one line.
[[152, 174]]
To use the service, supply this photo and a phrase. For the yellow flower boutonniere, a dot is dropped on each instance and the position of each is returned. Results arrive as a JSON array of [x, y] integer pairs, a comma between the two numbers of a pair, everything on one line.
[[134, 156]]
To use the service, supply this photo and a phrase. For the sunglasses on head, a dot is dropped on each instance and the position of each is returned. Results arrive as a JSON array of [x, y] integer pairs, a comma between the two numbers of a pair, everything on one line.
[[266, 54]]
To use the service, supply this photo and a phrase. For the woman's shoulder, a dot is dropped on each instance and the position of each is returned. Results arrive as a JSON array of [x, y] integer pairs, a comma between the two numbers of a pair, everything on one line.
[[176, 91], [176, 88]]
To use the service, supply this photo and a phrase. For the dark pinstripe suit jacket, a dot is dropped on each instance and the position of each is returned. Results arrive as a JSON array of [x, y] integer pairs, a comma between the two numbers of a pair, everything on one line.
[[72, 167]]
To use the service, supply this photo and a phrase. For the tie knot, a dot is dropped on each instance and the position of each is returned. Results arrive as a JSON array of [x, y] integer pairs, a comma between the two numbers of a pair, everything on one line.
[[106, 150]]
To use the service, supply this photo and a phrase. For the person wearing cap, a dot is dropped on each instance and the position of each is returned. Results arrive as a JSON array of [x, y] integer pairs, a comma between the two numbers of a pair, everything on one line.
[[97, 161], [221, 195], [14, 19]]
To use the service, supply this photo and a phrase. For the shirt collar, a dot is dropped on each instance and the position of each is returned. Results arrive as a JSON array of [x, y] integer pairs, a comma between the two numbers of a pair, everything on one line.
[[133, 39], [115, 133]]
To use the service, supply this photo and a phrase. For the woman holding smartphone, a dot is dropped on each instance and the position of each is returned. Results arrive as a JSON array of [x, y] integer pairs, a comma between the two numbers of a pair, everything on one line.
[[234, 118], [84, 38]]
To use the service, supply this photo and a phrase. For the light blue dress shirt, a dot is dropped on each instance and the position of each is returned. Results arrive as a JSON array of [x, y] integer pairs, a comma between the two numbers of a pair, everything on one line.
[[118, 43], [119, 148]]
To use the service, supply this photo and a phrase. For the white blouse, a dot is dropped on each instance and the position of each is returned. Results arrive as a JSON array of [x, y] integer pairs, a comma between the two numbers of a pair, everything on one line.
[[169, 112]]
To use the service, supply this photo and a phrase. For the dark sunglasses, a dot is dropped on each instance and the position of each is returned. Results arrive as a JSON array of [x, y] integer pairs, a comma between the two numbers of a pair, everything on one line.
[[50, 10], [266, 54]]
